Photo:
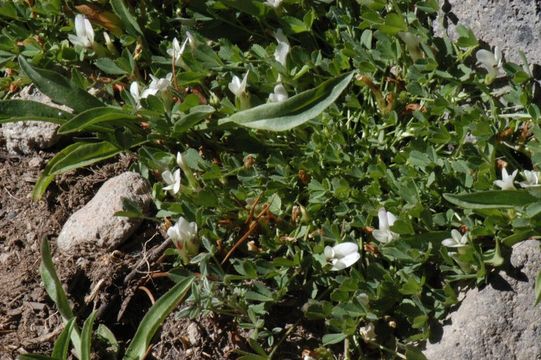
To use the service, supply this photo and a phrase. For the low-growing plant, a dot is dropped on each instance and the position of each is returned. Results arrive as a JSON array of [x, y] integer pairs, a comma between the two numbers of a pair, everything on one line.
[[333, 161]]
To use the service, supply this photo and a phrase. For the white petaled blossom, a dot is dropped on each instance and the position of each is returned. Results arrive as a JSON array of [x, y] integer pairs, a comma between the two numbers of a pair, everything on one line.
[[507, 181], [177, 50], [184, 235], [342, 255], [273, 3], [279, 94], [157, 85], [237, 86], [492, 62], [180, 160], [531, 178], [134, 91], [84, 32], [282, 49], [384, 233], [456, 240], [172, 180]]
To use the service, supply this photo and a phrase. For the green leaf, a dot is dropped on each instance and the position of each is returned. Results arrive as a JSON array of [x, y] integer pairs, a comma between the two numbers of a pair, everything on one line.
[[19, 110], [538, 288], [492, 199], [154, 318], [108, 66], [330, 339], [518, 237], [59, 88], [295, 111], [128, 20], [108, 337], [72, 157], [56, 292], [196, 115], [394, 23], [87, 119], [61, 345], [86, 337]]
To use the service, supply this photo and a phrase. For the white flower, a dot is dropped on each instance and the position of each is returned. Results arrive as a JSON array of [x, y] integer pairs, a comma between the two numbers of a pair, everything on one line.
[[107, 38], [384, 233], [182, 231], [172, 180], [157, 85], [134, 91], [279, 94], [282, 49], [84, 33], [342, 255], [492, 62], [191, 39], [177, 50], [506, 183], [238, 87], [531, 177], [470, 139], [273, 3], [456, 240], [368, 332], [184, 235]]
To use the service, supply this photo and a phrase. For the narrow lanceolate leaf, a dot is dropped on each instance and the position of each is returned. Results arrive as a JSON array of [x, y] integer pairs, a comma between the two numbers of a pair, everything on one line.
[[60, 89], [19, 110], [128, 20], [72, 157], [295, 111], [86, 337], [62, 343], [154, 319], [54, 289], [492, 199], [88, 119]]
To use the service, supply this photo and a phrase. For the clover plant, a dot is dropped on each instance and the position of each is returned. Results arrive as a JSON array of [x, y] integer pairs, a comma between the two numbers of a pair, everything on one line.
[[335, 160]]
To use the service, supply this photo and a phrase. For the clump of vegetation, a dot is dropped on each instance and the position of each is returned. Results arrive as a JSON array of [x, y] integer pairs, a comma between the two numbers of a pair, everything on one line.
[[330, 158]]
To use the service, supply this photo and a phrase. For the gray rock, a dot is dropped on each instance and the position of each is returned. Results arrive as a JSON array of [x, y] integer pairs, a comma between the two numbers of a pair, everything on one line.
[[500, 321], [95, 227], [512, 25], [25, 137]]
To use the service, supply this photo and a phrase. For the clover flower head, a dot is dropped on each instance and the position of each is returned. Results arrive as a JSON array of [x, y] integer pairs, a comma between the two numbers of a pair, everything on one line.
[[384, 233], [184, 235], [237, 86], [279, 94], [531, 179], [282, 49], [491, 62], [182, 231], [342, 255], [157, 85], [456, 240], [506, 183], [273, 3], [84, 32], [172, 180]]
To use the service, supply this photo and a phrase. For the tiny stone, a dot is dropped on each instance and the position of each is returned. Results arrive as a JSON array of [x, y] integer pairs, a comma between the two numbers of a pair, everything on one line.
[[193, 334]]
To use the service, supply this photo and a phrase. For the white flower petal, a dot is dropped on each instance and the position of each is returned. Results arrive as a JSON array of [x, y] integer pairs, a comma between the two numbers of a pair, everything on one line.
[[328, 251], [282, 49], [486, 59], [280, 93], [344, 249], [383, 219]]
